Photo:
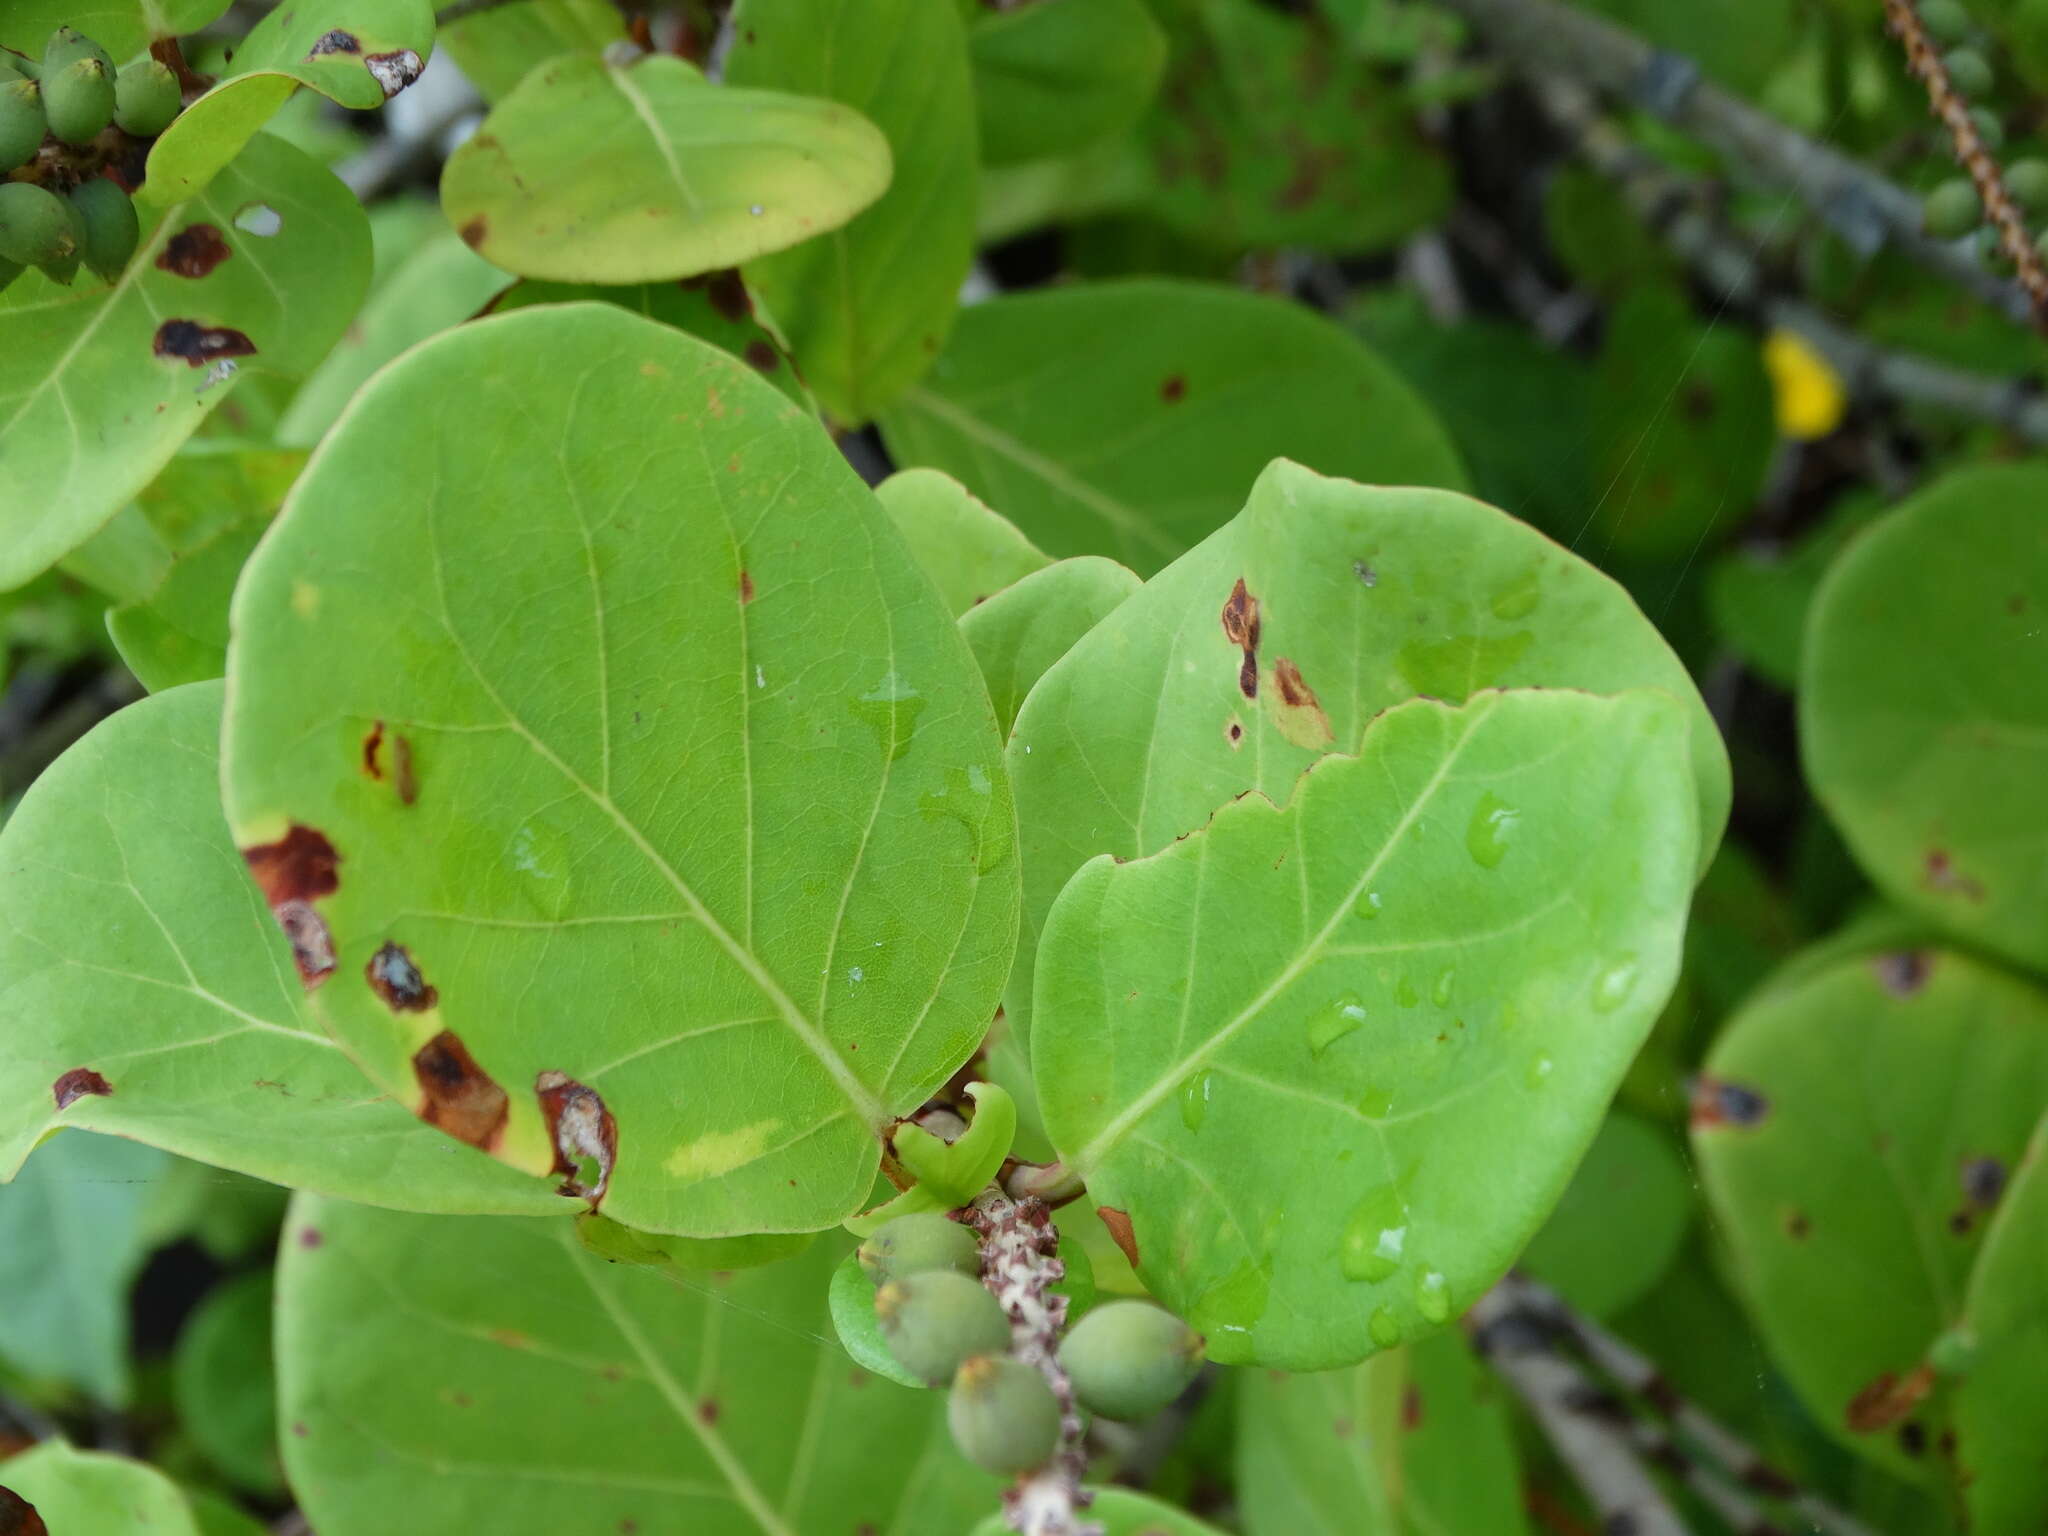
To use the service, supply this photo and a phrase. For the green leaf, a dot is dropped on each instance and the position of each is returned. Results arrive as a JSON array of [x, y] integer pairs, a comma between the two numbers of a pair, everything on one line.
[[713, 305], [1760, 596], [491, 1374], [622, 1245], [1372, 596], [137, 958], [222, 1382], [1128, 419], [98, 387], [215, 1516], [179, 633], [1056, 76], [1023, 629], [1923, 724], [956, 1171], [1120, 1512], [1854, 1132], [496, 48], [122, 27], [851, 1300], [969, 551], [73, 1235], [1335, 1062], [1267, 133], [725, 807], [867, 307], [80, 1491], [1998, 1415], [359, 53], [590, 173], [1414, 1442], [1621, 1222], [441, 284]]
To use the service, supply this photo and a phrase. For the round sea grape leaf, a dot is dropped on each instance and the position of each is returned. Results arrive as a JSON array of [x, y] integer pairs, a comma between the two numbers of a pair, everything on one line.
[[496, 47], [1329, 1066], [1998, 1404], [1923, 722], [149, 995], [80, 1491], [699, 872], [970, 552], [122, 27], [1363, 597], [1855, 1133], [1128, 419], [1621, 1222], [99, 386], [1056, 76], [75, 1227], [594, 173], [713, 305], [359, 53], [223, 1383], [493, 1374], [1123, 1512], [866, 306], [1023, 629], [1415, 1440], [851, 1300]]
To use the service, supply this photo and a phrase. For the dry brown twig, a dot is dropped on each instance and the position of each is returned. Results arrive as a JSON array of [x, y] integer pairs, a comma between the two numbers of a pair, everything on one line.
[[1946, 103]]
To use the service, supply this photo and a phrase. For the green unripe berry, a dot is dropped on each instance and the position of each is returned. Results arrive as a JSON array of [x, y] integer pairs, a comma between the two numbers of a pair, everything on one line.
[[79, 100], [1946, 20], [36, 225], [1951, 210], [1129, 1359], [1003, 1416], [146, 98], [22, 124], [63, 267], [923, 1240], [111, 229], [67, 45], [1967, 71], [934, 1320], [2027, 180], [1953, 1352], [1990, 131]]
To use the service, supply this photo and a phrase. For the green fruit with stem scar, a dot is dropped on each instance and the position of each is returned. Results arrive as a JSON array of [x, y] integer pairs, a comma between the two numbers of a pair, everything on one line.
[[1129, 1359], [111, 228], [79, 100], [924, 1240], [1952, 210], [22, 124], [1003, 1416], [146, 98], [934, 1320], [36, 226], [67, 45]]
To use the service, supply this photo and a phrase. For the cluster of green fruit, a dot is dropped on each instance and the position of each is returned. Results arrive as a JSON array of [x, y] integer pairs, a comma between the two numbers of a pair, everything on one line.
[[56, 210], [1124, 1359], [1953, 209]]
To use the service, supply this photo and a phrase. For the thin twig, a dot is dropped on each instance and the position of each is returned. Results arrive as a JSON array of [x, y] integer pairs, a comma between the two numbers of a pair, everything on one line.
[[1557, 1393], [1545, 38], [1947, 104], [1676, 209]]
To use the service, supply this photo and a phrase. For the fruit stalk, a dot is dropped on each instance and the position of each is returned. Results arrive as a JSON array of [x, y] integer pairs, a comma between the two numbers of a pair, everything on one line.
[[1924, 60], [1020, 1265]]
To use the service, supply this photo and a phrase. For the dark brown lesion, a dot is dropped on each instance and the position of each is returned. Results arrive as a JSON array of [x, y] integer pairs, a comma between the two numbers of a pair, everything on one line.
[[1119, 1222], [18, 1517], [198, 345], [395, 977], [457, 1095], [1241, 629], [79, 1083], [336, 41], [585, 1136], [294, 872], [1716, 1102], [1888, 1398], [194, 251]]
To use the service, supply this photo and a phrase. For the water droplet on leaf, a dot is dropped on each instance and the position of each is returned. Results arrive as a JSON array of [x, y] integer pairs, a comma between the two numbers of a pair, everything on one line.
[[1194, 1100], [890, 709], [1368, 906], [1539, 1070], [1518, 599], [1385, 1330], [1613, 985], [1332, 1022], [1440, 994], [1433, 1295], [1375, 1235], [1491, 829]]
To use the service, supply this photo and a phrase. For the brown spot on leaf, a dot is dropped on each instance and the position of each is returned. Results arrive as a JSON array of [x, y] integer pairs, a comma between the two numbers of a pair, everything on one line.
[[199, 345], [1234, 734], [1301, 718], [1119, 1224], [1797, 1225], [1983, 1181], [763, 357], [1697, 402], [312, 943], [1175, 389], [586, 1137], [728, 295], [1962, 1222], [395, 978], [18, 1517], [335, 42], [746, 589], [1715, 1103], [373, 748], [707, 1410], [294, 872], [79, 1083], [194, 251], [1888, 1399], [474, 231], [1942, 875], [1913, 1438], [457, 1095], [394, 71], [1411, 1407], [1902, 972], [402, 778], [309, 1237], [1241, 629]]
